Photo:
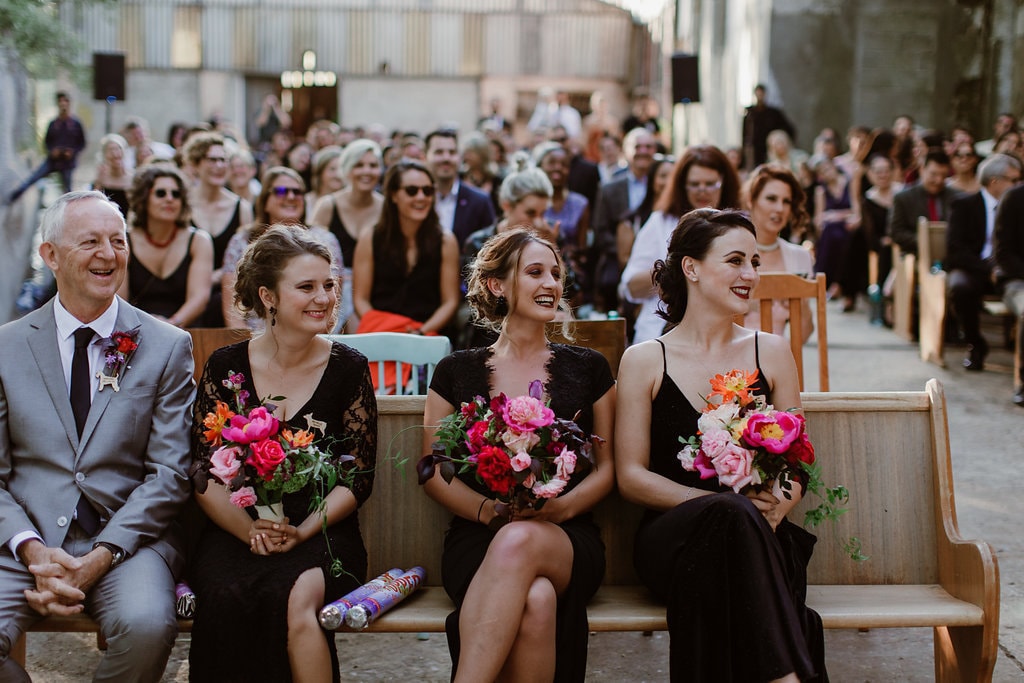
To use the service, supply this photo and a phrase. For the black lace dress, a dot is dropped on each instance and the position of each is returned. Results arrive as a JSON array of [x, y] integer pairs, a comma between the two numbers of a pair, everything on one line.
[[240, 631], [577, 378], [734, 589]]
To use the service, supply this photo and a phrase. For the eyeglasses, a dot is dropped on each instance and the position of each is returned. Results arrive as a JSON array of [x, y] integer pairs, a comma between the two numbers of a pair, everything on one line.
[[704, 187], [217, 160], [282, 191], [161, 193], [413, 190]]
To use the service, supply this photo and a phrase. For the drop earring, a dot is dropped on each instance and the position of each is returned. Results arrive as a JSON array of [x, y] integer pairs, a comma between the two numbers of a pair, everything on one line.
[[501, 307], [273, 316]]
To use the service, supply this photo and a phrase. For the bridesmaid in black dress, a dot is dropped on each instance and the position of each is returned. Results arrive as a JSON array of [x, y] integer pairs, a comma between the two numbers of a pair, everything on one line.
[[260, 584], [730, 567], [521, 591]]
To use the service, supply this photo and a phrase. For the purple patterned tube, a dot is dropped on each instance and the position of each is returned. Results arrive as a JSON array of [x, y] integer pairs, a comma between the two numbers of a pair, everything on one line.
[[184, 601], [361, 615], [333, 614]]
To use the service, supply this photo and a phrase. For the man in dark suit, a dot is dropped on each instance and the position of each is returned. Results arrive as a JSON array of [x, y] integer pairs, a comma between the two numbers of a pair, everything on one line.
[[1009, 253], [929, 198], [759, 120], [614, 200], [462, 209], [94, 451], [969, 254]]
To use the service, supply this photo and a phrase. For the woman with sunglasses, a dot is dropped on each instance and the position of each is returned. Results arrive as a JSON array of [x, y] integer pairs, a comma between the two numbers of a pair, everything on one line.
[[703, 178], [170, 263], [281, 202], [215, 209], [407, 266], [964, 161]]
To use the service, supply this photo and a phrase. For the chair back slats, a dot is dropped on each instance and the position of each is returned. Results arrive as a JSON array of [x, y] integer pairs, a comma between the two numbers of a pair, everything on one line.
[[206, 340], [793, 289], [403, 350], [606, 336]]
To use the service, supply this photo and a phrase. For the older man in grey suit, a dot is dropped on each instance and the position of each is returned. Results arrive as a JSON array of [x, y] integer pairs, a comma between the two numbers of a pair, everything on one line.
[[93, 452]]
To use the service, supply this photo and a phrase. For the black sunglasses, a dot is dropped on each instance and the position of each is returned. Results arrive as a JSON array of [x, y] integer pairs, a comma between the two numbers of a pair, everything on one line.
[[160, 193], [281, 191], [413, 190]]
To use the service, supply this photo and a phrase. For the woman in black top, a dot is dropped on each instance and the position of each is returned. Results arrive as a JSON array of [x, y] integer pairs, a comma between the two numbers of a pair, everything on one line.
[[170, 263], [407, 265]]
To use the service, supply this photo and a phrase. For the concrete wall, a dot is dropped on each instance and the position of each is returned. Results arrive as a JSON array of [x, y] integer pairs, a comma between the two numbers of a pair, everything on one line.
[[412, 104]]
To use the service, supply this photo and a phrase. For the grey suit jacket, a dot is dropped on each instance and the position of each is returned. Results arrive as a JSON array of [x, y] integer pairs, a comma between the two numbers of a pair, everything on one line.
[[132, 459], [612, 204]]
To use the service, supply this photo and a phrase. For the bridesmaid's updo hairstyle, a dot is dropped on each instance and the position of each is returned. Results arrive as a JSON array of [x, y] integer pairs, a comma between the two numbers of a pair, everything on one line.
[[264, 260], [693, 237], [499, 258]]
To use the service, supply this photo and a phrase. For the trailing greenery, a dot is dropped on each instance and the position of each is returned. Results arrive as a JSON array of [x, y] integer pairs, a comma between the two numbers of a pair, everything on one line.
[[40, 41]]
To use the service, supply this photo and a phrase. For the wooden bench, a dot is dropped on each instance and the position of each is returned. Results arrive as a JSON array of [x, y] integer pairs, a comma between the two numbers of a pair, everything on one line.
[[891, 449]]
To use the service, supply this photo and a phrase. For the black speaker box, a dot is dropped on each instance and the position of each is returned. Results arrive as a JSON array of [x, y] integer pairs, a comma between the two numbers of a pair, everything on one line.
[[685, 78], [108, 75]]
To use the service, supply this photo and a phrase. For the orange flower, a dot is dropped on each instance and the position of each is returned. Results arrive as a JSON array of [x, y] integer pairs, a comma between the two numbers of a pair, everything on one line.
[[299, 439], [215, 421], [734, 384]]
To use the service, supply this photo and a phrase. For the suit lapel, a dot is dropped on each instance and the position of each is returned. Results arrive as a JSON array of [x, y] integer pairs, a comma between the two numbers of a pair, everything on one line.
[[43, 343], [127, 319]]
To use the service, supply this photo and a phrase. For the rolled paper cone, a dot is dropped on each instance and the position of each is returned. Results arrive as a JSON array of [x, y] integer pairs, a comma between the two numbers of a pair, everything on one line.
[[184, 601], [331, 615], [368, 609]]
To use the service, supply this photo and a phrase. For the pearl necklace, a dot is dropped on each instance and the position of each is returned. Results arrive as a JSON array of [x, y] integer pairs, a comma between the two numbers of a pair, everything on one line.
[[774, 246]]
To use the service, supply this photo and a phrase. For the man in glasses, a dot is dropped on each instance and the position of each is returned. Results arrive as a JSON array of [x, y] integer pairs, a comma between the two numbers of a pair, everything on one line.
[[969, 254], [65, 138], [462, 209]]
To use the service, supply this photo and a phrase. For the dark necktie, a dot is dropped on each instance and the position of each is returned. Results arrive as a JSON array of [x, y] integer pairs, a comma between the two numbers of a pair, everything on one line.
[[933, 208], [80, 402]]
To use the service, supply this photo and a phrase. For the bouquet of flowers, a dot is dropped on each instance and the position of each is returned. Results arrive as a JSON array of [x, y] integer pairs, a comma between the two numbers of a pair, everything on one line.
[[746, 442], [516, 447], [258, 461]]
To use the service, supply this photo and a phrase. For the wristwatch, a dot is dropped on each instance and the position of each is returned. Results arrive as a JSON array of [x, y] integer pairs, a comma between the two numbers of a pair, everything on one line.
[[119, 555]]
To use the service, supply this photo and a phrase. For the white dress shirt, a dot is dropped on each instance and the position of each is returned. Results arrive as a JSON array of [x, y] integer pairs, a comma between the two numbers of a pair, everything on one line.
[[650, 245], [990, 221], [445, 206]]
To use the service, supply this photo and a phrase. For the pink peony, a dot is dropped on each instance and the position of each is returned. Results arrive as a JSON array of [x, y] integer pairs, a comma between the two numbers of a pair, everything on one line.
[[702, 463], [522, 442], [549, 490], [225, 463], [243, 497], [714, 441], [521, 461], [775, 432], [525, 413], [260, 424], [265, 457], [733, 465], [566, 463]]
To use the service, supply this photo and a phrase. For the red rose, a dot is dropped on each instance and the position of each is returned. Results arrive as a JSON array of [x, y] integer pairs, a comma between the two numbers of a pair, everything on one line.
[[125, 344], [495, 469], [476, 436], [802, 450], [266, 455]]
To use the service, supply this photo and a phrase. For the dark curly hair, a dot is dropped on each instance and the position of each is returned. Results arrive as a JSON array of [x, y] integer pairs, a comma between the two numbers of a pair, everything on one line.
[[264, 260], [693, 237], [764, 174], [142, 184], [499, 258]]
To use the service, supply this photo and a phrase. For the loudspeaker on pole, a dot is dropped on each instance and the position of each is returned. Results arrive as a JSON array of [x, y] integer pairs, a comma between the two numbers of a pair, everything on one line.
[[108, 76], [685, 78]]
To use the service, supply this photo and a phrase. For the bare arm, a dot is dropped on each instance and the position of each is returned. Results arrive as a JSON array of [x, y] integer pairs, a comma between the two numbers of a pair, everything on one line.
[[322, 212], [362, 274], [200, 275], [449, 285]]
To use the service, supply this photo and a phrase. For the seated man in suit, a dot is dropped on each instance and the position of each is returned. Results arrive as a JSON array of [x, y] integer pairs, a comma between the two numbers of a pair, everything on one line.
[[969, 259], [1009, 254], [461, 208], [929, 198], [95, 406]]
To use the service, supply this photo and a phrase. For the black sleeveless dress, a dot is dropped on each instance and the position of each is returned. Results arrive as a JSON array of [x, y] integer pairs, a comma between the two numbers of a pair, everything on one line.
[[241, 627], [347, 241], [156, 295], [577, 378], [213, 316], [734, 590]]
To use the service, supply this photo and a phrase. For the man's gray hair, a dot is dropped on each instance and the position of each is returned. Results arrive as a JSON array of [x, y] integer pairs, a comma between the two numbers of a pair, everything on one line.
[[995, 166], [51, 224]]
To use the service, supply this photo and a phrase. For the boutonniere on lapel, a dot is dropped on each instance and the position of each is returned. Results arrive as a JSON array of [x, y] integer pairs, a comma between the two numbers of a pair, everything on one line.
[[117, 349]]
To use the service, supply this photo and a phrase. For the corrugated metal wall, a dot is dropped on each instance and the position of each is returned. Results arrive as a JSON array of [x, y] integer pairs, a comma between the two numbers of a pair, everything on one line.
[[429, 38]]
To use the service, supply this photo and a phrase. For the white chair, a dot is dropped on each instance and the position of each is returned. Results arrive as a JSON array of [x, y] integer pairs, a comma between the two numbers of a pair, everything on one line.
[[402, 349]]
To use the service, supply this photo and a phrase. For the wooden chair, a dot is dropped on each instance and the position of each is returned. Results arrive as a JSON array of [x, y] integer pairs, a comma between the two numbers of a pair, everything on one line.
[[931, 289], [793, 289], [402, 349], [605, 336], [206, 340], [903, 293]]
